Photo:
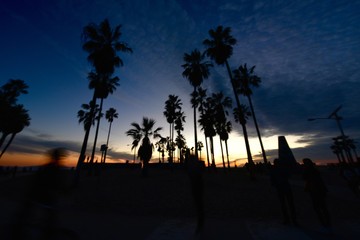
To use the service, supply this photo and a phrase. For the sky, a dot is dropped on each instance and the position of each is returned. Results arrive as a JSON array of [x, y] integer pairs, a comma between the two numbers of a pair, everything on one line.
[[306, 52]]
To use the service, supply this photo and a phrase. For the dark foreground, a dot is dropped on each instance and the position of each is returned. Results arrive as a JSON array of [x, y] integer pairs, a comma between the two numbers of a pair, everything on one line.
[[120, 204]]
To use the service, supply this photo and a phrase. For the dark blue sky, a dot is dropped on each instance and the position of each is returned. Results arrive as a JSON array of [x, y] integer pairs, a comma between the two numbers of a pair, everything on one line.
[[306, 53]]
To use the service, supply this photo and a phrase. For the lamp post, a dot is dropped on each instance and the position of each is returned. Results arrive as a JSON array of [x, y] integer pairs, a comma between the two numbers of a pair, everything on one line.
[[335, 116]]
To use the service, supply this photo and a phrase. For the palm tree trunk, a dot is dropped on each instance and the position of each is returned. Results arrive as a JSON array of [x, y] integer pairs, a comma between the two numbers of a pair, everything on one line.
[[212, 152], [195, 130], [257, 130], [2, 139], [227, 154], [222, 153], [84, 145], [8, 144], [107, 142], [248, 151], [97, 131]]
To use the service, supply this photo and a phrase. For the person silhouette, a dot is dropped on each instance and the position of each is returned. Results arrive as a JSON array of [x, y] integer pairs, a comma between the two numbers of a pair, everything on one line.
[[41, 200], [280, 180], [317, 190], [194, 169]]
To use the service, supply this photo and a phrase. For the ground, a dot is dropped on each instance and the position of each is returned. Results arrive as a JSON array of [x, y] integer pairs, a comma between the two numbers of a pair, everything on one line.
[[119, 203]]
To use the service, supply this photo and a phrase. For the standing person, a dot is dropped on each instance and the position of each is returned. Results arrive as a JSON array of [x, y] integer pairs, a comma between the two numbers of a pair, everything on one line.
[[280, 180], [194, 168], [40, 204], [317, 190]]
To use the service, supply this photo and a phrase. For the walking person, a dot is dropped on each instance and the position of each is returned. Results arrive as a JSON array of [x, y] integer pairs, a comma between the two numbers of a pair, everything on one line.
[[280, 180], [317, 190]]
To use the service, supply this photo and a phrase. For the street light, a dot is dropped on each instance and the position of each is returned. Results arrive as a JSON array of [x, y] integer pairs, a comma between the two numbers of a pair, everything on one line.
[[335, 116]]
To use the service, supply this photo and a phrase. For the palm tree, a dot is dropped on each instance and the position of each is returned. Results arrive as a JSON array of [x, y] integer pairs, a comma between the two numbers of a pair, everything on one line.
[[18, 119], [244, 78], [172, 109], [241, 115], [179, 127], [143, 133], [220, 103], [198, 99], [224, 130], [84, 114], [110, 115], [103, 86], [220, 48], [207, 121], [102, 43], [195, 70]]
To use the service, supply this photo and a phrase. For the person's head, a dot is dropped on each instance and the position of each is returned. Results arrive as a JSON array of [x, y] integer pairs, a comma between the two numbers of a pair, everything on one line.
[[57, 154], [308, 162]]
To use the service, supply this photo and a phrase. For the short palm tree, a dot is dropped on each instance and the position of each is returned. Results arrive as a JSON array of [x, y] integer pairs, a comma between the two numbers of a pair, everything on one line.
[[110, 115], [241, 115], [144, 131], [196, 69], [102, 43], [207, 122], [198, 98], [179, 127], [221, 104], [220, 48], [103, 86], [244, 78], [172, 109], [84, 114]]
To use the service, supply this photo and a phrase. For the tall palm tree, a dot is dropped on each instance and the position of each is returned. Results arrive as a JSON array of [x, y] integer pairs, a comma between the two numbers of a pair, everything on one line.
[[196, 69], [220, 48], [102, 43], [172, 109], [110, 115], [144, 131], [244, 78], [18, 119]]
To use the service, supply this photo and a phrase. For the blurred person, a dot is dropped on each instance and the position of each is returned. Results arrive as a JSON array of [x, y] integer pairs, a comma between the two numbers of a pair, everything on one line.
[[195, 168], [280, 180], [40, 205], [317, 190]]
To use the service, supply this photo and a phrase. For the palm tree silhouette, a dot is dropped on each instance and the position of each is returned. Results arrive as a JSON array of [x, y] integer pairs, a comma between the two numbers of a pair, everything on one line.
[[110, 115], [241, 115], [103, 86], [195, 70], [221, 103], [172, 110], [244, 78], [198, 98], [84, 114], [207, 122], [13, 117], [220, 48], [102, 43], [179, 127], [223, 130], [18, 119], [143, 133]]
